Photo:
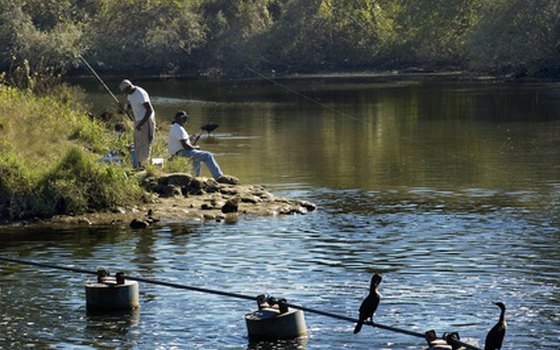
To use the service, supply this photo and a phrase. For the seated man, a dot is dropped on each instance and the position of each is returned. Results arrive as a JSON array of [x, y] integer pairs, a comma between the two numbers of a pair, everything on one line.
[[180, 144]]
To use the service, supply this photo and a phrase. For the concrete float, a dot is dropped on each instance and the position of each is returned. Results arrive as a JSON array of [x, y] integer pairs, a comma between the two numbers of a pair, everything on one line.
[[111, 293], [274, 320]]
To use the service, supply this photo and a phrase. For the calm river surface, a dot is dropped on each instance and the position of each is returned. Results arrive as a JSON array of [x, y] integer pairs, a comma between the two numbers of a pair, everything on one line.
[[450, 190]]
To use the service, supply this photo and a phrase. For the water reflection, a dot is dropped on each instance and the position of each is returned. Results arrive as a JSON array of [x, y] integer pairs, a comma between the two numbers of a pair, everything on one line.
[[119, 324], [299, 343], [450, 190], [144, 250], [440, 267], [367, 133]]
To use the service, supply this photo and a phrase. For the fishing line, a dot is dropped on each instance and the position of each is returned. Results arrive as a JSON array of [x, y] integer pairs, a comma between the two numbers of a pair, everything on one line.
[[229, 294], [332, 6], [212, 116], [367, 122], [94, 73], [310, 99], [197, 137]]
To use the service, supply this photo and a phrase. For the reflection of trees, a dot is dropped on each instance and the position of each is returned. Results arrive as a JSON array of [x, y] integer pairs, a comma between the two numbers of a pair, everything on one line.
[[418, 135], [371, 132]]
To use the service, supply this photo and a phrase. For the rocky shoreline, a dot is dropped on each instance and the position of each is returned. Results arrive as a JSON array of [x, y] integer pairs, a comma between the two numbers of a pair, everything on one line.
[[182, 198]]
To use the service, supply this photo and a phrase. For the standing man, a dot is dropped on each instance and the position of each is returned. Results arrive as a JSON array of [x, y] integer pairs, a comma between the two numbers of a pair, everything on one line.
[[179, 144], [144, 120]]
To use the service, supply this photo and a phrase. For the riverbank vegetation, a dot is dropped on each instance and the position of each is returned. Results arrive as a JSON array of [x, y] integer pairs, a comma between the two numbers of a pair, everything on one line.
[[50, 147], [49, 155], [240, 37]]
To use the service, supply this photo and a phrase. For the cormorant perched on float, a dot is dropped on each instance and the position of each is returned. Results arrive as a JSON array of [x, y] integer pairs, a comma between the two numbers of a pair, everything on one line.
[[495, 337], [370, 303]]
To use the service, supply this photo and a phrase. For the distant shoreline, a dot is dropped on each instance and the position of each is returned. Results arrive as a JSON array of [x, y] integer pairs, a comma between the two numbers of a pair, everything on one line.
[[397, 74]]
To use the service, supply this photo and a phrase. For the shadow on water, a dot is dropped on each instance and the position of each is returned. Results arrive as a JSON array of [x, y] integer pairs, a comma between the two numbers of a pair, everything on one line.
[[118, 323], [299, 343]]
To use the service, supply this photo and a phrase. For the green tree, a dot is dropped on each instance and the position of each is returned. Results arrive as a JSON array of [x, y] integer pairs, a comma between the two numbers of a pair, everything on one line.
[[232, 27], [520, 36], [183, 37], [431, 32], [30, 30], [292, 41], [133, 36]]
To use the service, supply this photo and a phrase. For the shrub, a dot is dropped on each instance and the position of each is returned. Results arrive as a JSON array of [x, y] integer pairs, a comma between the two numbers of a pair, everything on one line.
[[16, 188], [49, 148], [80, 183]]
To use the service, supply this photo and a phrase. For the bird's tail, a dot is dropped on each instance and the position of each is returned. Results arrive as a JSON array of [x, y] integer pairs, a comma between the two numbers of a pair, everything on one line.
[[358, 327]]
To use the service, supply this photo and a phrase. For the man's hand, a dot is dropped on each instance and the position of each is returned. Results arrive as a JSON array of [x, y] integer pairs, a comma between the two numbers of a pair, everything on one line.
[[123, 108]]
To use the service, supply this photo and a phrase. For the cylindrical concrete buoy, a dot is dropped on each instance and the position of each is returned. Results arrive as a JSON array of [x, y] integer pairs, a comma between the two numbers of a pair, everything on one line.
[[111, 294], [270, 324]]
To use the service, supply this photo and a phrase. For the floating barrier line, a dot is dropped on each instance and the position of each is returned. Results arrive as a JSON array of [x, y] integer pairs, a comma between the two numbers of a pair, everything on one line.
[[233, 295], [32, 263], [197, 289]]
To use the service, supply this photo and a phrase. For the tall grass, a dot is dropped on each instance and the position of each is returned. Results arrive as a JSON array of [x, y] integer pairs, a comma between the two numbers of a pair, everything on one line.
[[49, 152]]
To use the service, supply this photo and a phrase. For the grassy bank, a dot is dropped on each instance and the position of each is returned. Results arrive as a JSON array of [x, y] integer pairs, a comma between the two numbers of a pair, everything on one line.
[[49, 152]]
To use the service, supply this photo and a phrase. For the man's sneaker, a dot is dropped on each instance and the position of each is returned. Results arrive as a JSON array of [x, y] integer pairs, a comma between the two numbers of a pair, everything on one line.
[[227, 179]]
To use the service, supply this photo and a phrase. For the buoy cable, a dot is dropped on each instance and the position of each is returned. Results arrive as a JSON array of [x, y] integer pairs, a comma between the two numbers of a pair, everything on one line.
[[196, 289], [233, 295], [56, 267]]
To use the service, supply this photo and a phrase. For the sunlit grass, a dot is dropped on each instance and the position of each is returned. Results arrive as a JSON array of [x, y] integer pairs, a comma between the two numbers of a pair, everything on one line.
[[49, 152]]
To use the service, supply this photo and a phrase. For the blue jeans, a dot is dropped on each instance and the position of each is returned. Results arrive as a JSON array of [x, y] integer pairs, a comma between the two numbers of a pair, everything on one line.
[[202, 156]]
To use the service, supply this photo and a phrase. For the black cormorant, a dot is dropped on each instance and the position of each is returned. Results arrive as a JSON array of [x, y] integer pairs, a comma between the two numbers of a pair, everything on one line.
[[495, 337], [370, 303], [283, 306], [261, 301]]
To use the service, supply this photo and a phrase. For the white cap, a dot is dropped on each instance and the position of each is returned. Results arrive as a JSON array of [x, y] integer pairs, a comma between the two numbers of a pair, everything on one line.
[[125, 84]]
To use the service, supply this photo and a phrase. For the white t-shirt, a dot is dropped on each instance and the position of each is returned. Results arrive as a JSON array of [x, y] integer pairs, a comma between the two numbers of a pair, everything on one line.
[[137, 100], [176, 134]]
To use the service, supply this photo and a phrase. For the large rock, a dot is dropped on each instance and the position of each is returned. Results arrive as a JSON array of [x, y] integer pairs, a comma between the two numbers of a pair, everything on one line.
[[176, 179], [167, 191], [232, 205], [138, 224]]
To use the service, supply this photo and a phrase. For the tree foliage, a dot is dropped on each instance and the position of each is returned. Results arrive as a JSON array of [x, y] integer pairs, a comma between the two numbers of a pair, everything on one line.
[[31, 30], [520, 36], [197, 36]]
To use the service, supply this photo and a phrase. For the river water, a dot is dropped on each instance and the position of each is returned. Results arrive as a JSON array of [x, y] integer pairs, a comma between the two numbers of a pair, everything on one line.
[[449, 189]]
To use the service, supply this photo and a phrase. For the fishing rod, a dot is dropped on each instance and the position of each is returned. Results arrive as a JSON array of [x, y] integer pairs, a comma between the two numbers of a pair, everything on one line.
[[207, 126], [90, 68], [196, 138]]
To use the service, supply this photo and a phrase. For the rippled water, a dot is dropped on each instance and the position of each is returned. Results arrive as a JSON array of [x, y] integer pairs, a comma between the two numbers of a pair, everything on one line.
[[442, 269], [448, 235]]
